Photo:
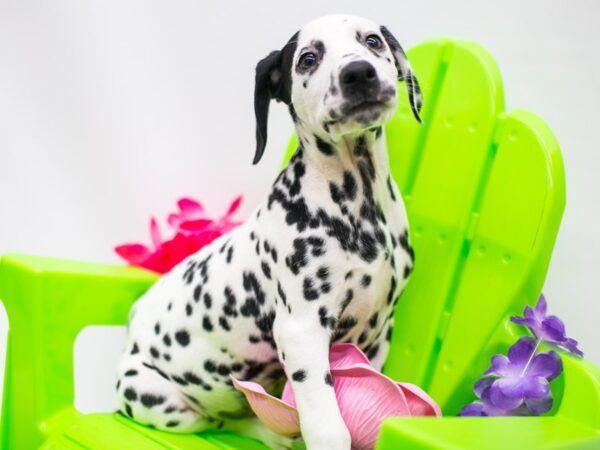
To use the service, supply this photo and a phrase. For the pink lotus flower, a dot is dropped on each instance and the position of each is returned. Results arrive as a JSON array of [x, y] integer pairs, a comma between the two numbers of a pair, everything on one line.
[[193, 230], [365, 398]]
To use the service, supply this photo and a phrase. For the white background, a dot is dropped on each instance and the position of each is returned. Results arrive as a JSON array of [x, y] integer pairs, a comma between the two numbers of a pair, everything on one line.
[[111, 110]]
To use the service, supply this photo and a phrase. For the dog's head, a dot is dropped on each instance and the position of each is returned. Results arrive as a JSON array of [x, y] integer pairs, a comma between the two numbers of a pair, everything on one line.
[[337, 75]]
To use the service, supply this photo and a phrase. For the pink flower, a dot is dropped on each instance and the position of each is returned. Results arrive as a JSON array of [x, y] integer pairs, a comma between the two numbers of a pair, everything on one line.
[[193, 230], [365, 398]]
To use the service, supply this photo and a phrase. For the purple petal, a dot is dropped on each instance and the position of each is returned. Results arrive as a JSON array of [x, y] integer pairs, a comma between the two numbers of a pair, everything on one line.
[[521, 352], [522, 321], [541, 306], [547, 365], [537, 406], [474, 409], [535, 387], [498, 395], [528, 313], [510, 387], [571, 345], [553, 329], [482, 385], [500, 366]]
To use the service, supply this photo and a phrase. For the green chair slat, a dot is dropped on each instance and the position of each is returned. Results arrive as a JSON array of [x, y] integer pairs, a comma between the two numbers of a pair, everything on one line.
[[517, 216], [440, 194]]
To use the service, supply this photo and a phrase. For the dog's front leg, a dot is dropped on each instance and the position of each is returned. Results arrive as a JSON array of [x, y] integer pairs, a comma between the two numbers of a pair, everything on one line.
[[304, 349]]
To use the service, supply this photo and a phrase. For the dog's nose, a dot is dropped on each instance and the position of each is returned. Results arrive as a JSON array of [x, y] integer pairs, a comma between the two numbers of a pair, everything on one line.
[[358, 77]]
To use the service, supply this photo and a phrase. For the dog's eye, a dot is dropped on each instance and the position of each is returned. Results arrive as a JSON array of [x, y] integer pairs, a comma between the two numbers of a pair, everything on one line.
[[308, 60], [374, 41]]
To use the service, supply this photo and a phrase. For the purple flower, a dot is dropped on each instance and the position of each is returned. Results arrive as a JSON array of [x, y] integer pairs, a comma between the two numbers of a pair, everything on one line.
[[548, 328], [485, 407], [524, 376]]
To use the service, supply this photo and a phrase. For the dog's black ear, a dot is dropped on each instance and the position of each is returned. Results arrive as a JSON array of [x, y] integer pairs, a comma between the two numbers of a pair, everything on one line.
[[405, 73], [273, 82], [268, 79]]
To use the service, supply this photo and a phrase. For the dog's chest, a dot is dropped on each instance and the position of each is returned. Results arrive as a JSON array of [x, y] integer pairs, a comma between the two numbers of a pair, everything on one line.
[[359, 223]]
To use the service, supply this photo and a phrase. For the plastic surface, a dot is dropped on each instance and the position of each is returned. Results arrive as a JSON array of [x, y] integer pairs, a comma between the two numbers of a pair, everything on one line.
[[485, 194]]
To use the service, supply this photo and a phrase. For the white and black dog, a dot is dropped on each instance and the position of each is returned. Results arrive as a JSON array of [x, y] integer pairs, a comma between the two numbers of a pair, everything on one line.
[[323, 260]]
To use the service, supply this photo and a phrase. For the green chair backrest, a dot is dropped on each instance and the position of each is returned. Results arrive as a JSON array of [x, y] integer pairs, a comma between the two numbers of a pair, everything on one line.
[[484, 192]]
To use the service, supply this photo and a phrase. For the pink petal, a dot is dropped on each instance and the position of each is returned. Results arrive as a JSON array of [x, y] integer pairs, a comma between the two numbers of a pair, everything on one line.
[[133, 253], [287, 396], [276, 415], [419, 402], [195, 225], [155, 233], [175, 220], [366, 398], [233, 207], [345, 355], [190, 208]]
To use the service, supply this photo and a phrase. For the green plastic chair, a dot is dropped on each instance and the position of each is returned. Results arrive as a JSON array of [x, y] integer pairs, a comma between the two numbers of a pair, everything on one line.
[[485, 193]]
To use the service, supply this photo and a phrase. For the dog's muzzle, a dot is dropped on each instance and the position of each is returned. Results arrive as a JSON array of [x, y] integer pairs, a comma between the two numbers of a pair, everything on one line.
[[360, 87]]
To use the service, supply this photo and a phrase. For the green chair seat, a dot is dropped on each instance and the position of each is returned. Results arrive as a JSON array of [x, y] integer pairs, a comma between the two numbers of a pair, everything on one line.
[[485, 193]]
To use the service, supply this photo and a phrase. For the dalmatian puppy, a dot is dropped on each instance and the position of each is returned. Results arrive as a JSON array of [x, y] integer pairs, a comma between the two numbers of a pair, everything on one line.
[[322, 261]]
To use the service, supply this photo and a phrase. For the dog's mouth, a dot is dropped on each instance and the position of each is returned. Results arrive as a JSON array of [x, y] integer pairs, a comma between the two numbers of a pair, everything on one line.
[[363, 107]]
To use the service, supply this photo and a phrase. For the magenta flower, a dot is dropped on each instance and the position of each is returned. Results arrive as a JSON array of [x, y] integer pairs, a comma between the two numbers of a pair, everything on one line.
[[548, 328], [193, 230], [365, 398]]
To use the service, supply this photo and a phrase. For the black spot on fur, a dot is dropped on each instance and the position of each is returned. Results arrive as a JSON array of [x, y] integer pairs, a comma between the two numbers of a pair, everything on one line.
[[229, 254], [366, 281], [372, 352], [299, 375], [373, 319], [130, 394], [172, 423], [252, 285], [182, 337], [281, 294], [328, 379], [131, 373], [151, 400], [207, 300], [135, 349], [347, 299], [390, 296], [349, 186], [326, 322], [154, 352], [266, 269], [167, 340], [210, 366], [310, 293], [207, 323], [298, 259], [405, 244], [323, 272], [362, 338], [391, 188], [224, 324], [188, 309]]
